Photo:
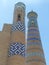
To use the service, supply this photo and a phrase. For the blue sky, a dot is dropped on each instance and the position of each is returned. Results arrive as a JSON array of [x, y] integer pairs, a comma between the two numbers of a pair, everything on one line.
[[41, 7]]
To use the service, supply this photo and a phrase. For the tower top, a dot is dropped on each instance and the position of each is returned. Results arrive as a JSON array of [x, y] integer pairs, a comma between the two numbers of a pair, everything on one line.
[[32, 14], [20, 4], [19, 12]]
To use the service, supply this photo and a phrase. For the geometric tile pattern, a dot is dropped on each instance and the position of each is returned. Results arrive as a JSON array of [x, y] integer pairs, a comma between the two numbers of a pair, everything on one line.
[[33, 30], [36, 60], [35, 54], [33, 34], [34, 38], [17, 49], [18, 26], [34, 44], [32, 22]]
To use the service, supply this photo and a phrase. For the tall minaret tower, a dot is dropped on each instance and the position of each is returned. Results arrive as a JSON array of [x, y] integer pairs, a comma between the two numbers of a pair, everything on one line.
[[16, 53], [35, 54]]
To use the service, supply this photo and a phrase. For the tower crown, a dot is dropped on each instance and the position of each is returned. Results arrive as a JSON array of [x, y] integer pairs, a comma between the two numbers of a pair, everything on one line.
[[20, 5], [32, 18], [32, 14], [19, 12]]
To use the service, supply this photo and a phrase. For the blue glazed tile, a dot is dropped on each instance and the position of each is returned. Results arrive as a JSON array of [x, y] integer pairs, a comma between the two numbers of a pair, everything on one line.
[[36, 30], [29, 34], [34, 44], [18, 26], [17, 49], [33, 39], [36, 60], [35, 54]]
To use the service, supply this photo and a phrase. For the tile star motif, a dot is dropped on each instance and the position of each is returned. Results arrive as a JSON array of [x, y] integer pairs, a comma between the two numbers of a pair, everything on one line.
[[17, 49]]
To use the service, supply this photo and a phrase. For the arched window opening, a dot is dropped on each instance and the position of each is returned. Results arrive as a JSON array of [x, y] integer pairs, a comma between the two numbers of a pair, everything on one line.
[[19, 17]]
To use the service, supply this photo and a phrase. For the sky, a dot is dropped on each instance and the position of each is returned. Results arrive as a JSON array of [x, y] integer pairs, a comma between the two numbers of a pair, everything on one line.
[[41, 7]]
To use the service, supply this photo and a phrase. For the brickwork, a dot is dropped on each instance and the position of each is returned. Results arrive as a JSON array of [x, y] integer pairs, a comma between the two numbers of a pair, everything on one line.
[[15, 49]]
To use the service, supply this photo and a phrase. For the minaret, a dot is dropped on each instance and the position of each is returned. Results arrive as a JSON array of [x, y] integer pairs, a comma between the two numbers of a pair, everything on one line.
[[19, 12], [16, 53], [35, 54]]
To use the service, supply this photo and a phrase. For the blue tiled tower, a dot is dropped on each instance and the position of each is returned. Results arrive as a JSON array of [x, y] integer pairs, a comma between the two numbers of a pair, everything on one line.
[[35, 54]]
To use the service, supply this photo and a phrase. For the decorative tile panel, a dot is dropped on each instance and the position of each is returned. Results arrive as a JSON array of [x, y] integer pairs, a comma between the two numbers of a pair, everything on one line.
[[34, 44], [18, 26], [33, 34], [36, 60], [17, 49], [34, 30], [33, 39], [35, 54]]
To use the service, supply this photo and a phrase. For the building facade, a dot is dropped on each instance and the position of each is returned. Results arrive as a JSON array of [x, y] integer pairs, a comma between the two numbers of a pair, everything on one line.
[[14, 50]]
